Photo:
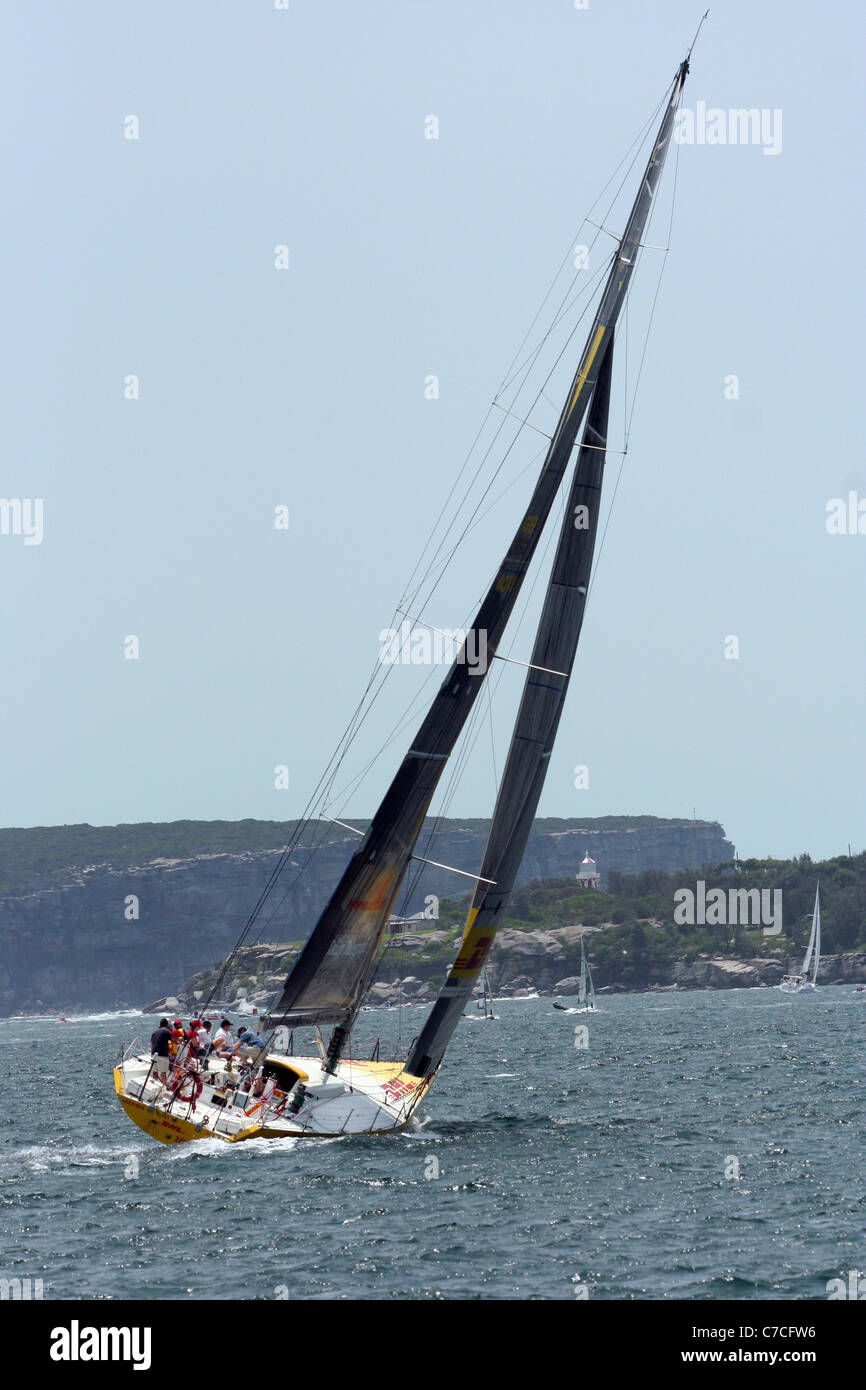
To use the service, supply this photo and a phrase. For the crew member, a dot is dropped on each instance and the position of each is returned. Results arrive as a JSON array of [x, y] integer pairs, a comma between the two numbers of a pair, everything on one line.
[[160, 1042]]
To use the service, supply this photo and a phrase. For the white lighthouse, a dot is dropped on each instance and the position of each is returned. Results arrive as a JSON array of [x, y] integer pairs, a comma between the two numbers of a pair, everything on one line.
[[588, 875]]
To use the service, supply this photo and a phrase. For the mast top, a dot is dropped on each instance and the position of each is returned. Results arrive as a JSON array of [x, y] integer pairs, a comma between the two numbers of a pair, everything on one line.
[[694, 41]]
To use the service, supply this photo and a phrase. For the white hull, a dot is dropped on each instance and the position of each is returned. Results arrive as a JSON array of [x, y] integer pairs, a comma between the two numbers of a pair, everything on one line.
[[361, 1098], [806, 988]]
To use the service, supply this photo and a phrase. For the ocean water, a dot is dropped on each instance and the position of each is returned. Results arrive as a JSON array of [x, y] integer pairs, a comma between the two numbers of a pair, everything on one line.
[[537, 1169]]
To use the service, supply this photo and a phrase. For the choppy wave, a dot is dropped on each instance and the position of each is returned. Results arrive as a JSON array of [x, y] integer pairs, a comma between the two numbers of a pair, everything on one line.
[[48, 1157], [218, 1148], [102, 1018], [607, 1161], [76, 1018]]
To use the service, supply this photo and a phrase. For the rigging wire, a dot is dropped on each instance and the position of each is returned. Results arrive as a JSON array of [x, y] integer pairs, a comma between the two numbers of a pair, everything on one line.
[[600, 549], [492, 740], [378, 676], [463, 754], [442, 565], [467, 745], [636, 145], [458, 769], [510, 370]]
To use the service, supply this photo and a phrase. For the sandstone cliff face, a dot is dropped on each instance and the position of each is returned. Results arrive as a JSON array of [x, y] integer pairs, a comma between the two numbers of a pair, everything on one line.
[[849, 968], [521, 962], [77, 947]]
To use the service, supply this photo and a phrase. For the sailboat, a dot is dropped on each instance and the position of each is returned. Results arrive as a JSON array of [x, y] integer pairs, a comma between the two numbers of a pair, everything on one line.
[[804, 981], [483, 1000], [267, 1089], [585, 992]]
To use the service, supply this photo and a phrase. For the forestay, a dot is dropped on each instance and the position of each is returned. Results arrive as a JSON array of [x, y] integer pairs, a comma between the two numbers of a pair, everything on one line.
[[534, 733], [329, 977]]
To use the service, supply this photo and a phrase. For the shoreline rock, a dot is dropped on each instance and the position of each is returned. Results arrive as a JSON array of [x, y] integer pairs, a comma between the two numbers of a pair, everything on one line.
[[73, 946], [512, 975]]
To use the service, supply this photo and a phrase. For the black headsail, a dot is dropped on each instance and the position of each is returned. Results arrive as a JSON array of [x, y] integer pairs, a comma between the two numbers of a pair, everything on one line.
[[328, 979], [534, 733]]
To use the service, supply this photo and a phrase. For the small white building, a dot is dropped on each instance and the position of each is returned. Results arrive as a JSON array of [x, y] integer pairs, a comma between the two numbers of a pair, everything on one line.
[[588, 875]]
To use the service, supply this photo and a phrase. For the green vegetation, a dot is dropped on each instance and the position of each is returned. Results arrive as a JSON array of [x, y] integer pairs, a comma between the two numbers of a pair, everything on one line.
[[640, 938], [638, 910], [639, 942], [46, 856]]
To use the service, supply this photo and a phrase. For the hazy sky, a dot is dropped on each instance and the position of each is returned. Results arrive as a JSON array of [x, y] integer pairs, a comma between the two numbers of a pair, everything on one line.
[[411, 257]]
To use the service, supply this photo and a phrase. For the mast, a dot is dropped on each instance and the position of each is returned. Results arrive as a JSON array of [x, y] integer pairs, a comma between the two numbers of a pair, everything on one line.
[[557, 637], [534, 732], [328, 979], [488, 993], [816, 918], [813, 950]]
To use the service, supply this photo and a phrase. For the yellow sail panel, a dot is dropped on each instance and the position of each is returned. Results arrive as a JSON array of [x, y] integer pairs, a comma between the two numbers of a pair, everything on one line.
[[538, 718], [585, 371], [474, 948]]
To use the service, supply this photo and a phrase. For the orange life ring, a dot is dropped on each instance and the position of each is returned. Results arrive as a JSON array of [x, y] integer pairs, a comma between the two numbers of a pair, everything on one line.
[[276, 1095], [195, 1089]]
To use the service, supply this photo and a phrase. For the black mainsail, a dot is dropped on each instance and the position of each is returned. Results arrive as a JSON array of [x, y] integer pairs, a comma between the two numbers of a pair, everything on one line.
[[330, 975], [534, 733], [323, 1095]]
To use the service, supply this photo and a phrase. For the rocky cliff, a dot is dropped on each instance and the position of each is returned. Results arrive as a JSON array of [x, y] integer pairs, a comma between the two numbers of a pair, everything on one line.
[[521, 962], [114, 937]]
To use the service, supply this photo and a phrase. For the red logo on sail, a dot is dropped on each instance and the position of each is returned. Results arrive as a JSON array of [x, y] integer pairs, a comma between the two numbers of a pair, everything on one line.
[[397, 1089]]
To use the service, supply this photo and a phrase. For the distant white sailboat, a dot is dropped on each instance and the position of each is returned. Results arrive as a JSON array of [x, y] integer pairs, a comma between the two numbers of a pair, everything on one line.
[[798, 984], [483, 1000], [585, 992]]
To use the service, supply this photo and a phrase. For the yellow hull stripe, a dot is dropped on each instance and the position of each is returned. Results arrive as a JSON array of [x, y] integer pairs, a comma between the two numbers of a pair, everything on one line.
[[171, 1129]]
